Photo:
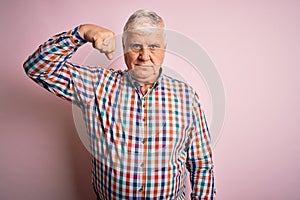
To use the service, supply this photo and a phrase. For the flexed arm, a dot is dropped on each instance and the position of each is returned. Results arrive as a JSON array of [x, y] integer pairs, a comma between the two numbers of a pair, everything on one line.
[[50, 67]]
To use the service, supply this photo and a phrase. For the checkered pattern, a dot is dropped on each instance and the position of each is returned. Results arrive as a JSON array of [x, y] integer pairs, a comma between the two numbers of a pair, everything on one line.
[[141, 145]]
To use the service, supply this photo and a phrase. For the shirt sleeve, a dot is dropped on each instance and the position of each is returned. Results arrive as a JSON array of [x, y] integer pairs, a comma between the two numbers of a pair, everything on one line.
[[49, 66], [199, 160]]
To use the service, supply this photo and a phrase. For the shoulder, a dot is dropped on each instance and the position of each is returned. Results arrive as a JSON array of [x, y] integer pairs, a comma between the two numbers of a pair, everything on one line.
[[177, 85]]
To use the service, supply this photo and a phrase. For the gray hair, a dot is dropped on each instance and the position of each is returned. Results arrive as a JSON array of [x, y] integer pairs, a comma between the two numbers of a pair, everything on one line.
[[143, 16]]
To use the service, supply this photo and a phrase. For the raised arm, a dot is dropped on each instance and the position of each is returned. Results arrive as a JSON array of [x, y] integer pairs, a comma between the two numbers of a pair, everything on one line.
[[50, 67]]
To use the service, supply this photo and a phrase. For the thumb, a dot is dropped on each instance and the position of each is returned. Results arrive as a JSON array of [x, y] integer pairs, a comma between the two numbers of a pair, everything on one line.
[[110, 55]]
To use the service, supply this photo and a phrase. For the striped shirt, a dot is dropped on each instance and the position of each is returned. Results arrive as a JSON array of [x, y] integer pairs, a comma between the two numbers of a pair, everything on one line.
[[141, 145]]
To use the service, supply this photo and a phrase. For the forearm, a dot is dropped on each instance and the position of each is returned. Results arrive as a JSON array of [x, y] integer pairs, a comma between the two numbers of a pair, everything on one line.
[[202, 180]]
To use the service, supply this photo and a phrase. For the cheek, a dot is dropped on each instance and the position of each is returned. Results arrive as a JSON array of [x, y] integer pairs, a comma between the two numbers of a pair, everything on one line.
[[158, 58], [129, 59]]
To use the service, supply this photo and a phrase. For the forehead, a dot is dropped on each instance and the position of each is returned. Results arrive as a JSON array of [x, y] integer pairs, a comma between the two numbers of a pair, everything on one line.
[[144, 35]]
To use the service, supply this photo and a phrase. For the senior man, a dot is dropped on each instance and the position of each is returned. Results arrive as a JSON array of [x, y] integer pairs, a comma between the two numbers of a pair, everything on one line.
[[145, 128]]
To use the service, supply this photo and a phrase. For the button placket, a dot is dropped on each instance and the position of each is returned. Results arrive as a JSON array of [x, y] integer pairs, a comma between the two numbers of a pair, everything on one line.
[[143, 114]]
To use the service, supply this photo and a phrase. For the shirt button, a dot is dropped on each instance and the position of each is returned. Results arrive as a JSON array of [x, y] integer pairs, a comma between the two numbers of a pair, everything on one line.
[[141, 189], [142, 165], [144, 119], [143, 141]]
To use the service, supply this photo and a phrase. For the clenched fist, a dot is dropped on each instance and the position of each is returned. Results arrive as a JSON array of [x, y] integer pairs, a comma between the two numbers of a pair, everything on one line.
[[101, 38]]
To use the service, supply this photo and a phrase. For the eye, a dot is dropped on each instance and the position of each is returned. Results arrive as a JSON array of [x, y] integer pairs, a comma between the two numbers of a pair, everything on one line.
[[136, 47], [153, 47]]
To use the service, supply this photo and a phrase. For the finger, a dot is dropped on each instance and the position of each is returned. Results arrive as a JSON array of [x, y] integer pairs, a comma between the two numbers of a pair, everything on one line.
[[98, 44], [110, 55], [106, 46], [109, 52], [109, 47], [109, 44], [105, 49]]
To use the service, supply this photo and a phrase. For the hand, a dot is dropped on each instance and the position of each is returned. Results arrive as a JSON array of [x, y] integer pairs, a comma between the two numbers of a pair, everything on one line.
[[101, 38]]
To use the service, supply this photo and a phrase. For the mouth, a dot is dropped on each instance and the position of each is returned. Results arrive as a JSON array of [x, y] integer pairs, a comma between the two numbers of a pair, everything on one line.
[[144, 65]]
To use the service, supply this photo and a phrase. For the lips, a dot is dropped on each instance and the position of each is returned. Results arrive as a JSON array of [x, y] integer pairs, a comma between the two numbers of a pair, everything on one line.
[[144, 66]]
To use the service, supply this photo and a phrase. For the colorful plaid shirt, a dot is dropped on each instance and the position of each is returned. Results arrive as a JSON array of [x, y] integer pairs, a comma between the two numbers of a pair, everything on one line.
[[141, 145]]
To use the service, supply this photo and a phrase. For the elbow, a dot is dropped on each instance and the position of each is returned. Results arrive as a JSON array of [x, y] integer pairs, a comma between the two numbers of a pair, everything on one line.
[[28, 68]]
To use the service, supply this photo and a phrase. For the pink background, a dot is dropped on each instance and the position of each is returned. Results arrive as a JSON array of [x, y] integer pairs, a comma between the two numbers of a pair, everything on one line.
[[255, 46]]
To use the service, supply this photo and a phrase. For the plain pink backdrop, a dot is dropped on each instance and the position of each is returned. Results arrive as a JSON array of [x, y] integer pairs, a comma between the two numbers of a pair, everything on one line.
[[255, 46]]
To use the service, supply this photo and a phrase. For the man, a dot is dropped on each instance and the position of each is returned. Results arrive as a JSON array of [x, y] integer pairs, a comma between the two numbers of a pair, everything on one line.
[[145, 128]]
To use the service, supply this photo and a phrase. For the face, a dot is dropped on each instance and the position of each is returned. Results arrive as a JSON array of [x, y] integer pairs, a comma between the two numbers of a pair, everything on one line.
[[144, 47]]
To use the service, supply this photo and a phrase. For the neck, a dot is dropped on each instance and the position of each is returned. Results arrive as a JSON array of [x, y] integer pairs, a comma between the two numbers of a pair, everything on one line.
[[144, 89]]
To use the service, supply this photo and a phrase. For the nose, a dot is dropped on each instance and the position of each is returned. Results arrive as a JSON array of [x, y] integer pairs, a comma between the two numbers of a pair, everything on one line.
[[144, 54]]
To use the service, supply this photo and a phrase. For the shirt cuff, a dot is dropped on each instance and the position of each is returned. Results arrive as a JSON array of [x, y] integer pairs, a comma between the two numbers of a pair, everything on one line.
[[77, 40], [193, 197]]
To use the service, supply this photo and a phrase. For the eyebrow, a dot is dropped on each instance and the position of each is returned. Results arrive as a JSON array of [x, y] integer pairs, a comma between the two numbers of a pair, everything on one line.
[[138, 43]]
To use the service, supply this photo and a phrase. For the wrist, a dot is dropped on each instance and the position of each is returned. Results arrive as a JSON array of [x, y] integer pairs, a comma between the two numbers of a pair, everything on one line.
[[82, 30]]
